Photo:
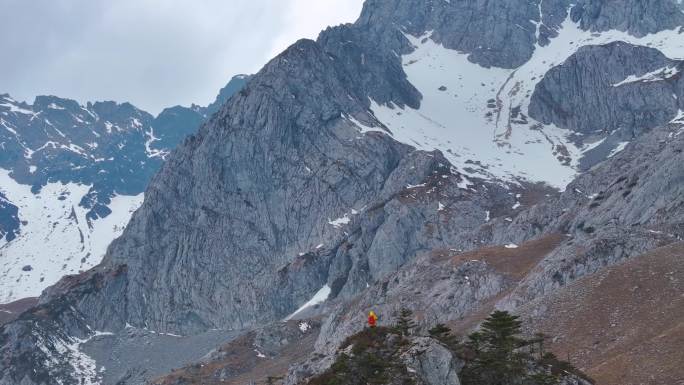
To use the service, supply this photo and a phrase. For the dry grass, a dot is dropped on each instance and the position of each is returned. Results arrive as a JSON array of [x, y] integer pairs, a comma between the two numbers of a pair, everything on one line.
[[514, 263], [623, 325], [10, 311]]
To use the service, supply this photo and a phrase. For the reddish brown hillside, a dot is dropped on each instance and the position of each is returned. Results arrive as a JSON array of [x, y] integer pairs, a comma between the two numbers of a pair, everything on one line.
[[623, 325]]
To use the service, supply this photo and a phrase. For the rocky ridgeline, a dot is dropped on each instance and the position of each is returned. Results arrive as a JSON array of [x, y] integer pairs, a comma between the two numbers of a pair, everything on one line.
[[115, 148]]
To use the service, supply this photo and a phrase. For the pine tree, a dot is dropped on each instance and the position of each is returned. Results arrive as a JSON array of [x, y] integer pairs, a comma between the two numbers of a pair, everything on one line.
[[496, 361], [405, 322], [443, 334], [500, 330]]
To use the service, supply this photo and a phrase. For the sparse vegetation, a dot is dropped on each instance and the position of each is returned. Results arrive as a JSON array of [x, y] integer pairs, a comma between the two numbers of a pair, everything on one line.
[[405, 322], [372, 359], [496, 354], [443, 334]]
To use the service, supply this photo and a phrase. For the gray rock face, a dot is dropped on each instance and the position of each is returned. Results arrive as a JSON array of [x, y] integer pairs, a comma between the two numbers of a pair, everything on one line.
[[264, 220], [437, 291], [496, 33], [613, 92], [9, 220], [432, 363], [638, 17], [504, 33], [621, 208], [257, 210]]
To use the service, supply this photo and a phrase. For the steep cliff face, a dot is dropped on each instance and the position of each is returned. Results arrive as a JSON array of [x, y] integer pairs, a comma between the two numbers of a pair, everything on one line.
[[506, 34], [322, 176], [609, 95], [500, 34], [283, 195], [9, 226], [637, 17]]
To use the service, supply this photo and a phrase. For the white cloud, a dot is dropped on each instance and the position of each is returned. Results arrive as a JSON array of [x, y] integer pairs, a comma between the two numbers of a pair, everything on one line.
[[306, 18], [153, 53]]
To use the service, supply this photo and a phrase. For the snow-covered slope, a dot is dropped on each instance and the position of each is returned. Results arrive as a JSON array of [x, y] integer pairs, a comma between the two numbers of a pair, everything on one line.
[[56, 237], [478, 117]]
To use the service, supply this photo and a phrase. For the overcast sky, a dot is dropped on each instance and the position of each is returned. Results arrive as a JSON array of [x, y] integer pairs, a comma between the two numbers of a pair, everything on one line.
[[152, 53]]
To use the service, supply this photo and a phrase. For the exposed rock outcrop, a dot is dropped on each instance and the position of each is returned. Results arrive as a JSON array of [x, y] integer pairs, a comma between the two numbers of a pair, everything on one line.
[[613, 92]]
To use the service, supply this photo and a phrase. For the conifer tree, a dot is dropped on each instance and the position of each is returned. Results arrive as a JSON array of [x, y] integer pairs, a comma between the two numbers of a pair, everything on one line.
[[405, 322], [496, 360], [443, 334]]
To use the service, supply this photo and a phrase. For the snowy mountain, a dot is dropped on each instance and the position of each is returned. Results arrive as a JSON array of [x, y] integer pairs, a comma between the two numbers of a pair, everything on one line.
[[71, 176], [451, 157], [499, 122]]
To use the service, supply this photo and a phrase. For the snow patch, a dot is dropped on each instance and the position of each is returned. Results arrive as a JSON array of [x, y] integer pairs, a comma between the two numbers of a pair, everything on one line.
[[304, 326], [465, 183], [53, 106], [412, 186], [151, 152], [318, 298], [363, 128], [511, 246], [84, 368], [16, 109], [54, 221], [654, 76], [339, 222], [621, 146]]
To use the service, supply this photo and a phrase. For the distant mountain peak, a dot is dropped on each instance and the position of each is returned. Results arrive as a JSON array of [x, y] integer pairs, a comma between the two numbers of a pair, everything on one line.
[[64, 161]]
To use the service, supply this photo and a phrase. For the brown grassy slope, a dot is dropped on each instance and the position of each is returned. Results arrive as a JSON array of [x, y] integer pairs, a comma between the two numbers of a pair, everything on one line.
[[515, 264], [10, 311], [623, 325]]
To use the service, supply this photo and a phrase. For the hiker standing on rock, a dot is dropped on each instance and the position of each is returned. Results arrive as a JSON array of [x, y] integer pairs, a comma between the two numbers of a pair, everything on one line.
[[372, 319]]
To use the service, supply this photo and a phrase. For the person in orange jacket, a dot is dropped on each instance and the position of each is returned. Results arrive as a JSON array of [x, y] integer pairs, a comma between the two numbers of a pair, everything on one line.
[[372, 319]]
